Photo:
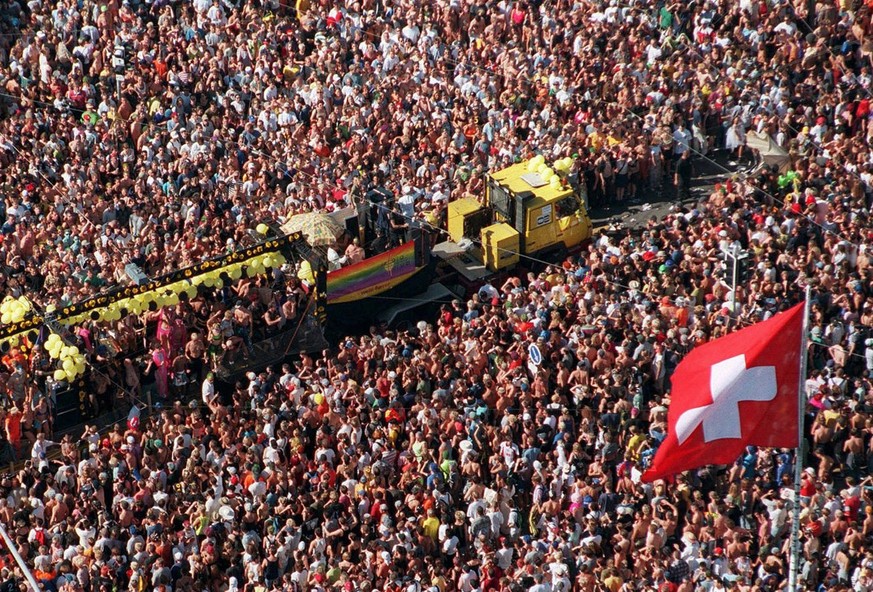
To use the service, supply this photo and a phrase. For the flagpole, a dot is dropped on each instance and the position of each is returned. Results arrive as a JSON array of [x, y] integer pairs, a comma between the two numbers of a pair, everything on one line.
[[798, 457]]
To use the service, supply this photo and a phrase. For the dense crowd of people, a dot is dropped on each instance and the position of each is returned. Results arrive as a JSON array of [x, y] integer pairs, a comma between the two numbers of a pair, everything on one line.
[[440, 458]]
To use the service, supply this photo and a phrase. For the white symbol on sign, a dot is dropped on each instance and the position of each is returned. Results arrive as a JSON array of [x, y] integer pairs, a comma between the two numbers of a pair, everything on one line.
[[730, 382], [535, 356]]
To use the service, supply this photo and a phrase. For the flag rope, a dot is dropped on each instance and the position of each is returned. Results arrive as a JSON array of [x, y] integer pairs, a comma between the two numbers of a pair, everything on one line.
[[25, 571]]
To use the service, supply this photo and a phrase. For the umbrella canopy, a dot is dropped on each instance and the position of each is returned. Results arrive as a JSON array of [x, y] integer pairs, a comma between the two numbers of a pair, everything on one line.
[[319, 229]]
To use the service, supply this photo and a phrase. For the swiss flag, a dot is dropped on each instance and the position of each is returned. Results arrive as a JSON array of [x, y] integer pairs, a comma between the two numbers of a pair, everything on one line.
[[133, 418], [735, 391]]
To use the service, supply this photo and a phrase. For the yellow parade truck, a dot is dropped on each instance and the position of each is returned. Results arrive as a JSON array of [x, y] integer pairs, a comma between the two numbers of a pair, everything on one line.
[[529, 209]]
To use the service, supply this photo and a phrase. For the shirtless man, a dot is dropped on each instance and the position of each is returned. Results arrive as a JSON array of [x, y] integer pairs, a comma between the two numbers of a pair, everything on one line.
[[854, 449], [242, 320], [195, 349], [822, 435]]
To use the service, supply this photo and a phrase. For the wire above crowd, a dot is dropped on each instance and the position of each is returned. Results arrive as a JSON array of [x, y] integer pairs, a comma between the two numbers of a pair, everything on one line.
[[438, 458]]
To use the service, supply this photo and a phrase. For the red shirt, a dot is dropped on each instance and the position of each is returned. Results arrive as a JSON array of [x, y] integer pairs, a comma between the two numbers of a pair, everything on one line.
[[807, 486]]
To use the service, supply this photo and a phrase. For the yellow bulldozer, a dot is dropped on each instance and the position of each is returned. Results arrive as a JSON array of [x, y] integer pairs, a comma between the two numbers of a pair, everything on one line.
[[529, 209]]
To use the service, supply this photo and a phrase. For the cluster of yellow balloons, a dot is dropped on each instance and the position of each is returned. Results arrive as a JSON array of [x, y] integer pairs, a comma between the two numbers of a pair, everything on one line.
[[71, 362], [14, 341], [534, 164], [13, 310], [563, 165], [305, 273], [537, 166], [553, 176], [169, 295], [258, 265]]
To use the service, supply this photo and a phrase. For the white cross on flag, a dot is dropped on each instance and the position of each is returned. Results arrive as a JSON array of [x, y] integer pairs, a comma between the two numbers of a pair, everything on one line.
[[735, 391]]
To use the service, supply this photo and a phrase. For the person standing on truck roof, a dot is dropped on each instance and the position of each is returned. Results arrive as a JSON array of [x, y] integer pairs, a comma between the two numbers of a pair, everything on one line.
[[399, 226]]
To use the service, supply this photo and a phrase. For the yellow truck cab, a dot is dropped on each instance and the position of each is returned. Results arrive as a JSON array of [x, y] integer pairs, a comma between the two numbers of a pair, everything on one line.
[[525, 212]]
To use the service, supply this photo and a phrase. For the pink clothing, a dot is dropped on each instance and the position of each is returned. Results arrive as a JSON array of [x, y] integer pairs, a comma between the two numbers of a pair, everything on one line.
[[162, 371]]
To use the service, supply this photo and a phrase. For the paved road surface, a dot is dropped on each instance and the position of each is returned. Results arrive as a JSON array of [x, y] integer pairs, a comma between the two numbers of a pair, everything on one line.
[[637, 213]]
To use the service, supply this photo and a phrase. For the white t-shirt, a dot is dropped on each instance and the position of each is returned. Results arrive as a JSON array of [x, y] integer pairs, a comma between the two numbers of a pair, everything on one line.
[[208, 391]]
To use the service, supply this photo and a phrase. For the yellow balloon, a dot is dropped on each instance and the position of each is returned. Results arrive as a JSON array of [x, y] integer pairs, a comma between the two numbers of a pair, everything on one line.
[[192, 292], [319, 398], [5, 318], [305, 273], [262, 228], [60, 375], [69, 366], [235, 273]]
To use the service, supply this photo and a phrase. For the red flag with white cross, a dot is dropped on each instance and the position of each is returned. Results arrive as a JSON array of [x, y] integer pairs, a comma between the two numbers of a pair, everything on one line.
[[733, 392]]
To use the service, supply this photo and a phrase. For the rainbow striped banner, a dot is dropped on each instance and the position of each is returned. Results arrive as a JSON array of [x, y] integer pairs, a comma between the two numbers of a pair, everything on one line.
[[371, 276]]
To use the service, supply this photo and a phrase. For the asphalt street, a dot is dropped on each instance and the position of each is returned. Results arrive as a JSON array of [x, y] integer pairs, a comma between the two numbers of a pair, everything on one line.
[[631, 214]]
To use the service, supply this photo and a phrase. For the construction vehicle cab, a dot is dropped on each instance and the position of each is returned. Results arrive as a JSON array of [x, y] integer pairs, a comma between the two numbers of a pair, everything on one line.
[[525, 212]]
